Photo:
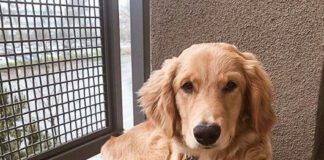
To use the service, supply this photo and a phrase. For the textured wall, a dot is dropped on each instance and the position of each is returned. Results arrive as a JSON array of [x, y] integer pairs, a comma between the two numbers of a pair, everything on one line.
[[287, 36]]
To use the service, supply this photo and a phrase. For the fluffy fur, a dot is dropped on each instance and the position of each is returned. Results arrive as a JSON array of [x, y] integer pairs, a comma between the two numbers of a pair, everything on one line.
[[244, 114]]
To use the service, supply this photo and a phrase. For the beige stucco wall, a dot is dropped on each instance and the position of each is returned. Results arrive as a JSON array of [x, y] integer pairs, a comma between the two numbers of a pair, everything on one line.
[[287, 36]]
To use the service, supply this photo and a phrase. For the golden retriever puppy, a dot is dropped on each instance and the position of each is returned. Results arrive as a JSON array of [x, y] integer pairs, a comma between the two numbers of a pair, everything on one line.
[[213, 102]]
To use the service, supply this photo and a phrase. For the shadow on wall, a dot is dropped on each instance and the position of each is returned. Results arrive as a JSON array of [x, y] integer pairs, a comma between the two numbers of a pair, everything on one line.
[[319, 135]]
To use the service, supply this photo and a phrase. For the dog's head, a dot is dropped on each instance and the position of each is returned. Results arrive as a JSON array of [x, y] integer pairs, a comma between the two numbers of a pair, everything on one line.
[[204, 94]]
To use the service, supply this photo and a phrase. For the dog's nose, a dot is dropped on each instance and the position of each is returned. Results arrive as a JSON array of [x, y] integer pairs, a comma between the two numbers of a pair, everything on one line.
[[207, 134]]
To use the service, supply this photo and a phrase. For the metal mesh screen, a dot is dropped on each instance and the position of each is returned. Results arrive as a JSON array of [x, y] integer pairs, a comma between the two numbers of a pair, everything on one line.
[[51, 74]]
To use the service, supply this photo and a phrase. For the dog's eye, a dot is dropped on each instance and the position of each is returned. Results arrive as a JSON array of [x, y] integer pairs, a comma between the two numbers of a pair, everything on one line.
[[188, 87], [230, 86]]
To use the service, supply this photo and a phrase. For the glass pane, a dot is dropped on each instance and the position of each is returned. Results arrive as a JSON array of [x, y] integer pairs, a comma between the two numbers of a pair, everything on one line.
[[126, 66]]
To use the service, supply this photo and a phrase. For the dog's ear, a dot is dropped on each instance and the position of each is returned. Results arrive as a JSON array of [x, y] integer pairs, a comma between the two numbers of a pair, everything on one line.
[[259, 93], [158, 98]]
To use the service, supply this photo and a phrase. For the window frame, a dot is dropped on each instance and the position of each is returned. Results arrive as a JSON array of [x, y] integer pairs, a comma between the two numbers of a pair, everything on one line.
[[140, 46]]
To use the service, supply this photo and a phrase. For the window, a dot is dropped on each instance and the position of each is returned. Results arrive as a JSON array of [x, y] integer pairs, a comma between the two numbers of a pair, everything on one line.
[[126, 63], [59, 79]]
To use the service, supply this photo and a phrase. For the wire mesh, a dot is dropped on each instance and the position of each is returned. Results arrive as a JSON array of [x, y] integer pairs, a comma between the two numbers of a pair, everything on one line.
[[51, 74]]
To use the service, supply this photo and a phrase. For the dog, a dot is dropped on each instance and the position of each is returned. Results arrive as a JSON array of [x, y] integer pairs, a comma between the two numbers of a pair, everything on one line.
[[213, 102]]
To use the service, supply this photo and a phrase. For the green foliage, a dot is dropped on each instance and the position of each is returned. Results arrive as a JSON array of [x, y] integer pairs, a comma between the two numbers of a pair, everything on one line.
[[17, 140]]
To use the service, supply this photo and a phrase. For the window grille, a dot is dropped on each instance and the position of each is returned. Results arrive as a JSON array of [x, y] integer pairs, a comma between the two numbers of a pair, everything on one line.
[[51, 75]]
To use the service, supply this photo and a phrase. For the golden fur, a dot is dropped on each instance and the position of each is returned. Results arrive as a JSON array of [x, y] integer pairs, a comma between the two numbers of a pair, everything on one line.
[[244, 114]]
